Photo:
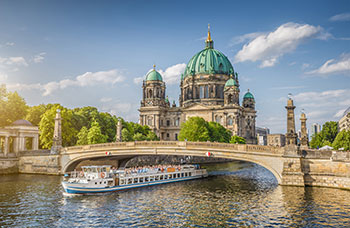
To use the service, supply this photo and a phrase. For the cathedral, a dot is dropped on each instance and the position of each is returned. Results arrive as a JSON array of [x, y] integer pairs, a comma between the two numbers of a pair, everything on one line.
[[209, 89]]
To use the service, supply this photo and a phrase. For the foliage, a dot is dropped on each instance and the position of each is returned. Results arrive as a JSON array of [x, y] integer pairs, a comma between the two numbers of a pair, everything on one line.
[[342, 140], [194, 129], [83, 136], [235, 139], [35, 112], [12, 107], [47, 123], [218, 133], [326, 136], [95, 135], [136, 132]]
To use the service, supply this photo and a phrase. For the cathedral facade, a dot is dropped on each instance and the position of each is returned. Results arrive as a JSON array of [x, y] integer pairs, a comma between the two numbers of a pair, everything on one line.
[[209, 89]]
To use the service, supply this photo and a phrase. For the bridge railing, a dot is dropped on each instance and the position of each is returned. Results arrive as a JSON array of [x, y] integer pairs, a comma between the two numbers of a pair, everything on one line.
[[182, 144]]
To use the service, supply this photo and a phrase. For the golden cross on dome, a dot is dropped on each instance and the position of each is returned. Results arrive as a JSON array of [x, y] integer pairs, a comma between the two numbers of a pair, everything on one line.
[[154, 66], [209, 38]]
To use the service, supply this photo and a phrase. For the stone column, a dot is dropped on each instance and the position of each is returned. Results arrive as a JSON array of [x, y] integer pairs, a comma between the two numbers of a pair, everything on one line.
[[6, 146], [16, 144], [291, 136], [57, 136], [303, 139], [35, 143], [118, 137], [21, 143]]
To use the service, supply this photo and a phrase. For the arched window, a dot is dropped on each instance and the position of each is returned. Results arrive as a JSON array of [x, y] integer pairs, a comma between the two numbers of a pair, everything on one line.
[[218, 119], [229, 121], [150, 93], [206, 91], [150, 121], [201, 92]]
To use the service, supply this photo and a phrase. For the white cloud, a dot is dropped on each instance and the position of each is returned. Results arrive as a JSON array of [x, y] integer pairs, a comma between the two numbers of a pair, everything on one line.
[[18, 61], [10, 44], [323, 106], [244, 38], [84, 80], [333, 66], [341, 17], [3, 77], [285, 39], [138, 80], [106, 99], [119, 108], [39, 58], [171, 75]]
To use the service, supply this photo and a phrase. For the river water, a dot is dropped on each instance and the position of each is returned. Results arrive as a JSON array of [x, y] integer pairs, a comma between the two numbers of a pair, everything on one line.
[[236, 195]]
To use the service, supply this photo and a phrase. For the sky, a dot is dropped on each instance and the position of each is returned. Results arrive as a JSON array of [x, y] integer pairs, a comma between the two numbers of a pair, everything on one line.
[[96, 53]]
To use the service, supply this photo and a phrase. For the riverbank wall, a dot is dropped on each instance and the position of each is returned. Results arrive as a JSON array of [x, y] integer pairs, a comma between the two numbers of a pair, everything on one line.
[[39, 162], [8, 165]]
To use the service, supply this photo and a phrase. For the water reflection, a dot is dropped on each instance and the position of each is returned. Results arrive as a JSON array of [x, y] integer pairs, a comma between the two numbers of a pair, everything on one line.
[[239, 194]]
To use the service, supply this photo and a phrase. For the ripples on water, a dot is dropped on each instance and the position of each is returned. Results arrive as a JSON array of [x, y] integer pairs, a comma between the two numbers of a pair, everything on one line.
[[238, 195]]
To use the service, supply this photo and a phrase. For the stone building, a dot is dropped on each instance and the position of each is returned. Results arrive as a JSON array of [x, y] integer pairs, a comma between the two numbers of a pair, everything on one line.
[[344, 122], [209, 89], [261, 135], [276, 140], [21, 135]]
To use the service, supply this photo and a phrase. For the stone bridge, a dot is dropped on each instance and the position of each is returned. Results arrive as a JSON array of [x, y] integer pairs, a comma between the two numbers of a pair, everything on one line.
[[290, 165]]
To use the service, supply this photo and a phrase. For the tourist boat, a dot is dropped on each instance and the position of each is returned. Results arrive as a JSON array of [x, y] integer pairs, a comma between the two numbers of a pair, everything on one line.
[[100, 179]]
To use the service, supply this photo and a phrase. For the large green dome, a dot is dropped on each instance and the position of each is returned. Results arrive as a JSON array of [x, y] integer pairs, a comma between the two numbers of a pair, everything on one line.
[[153, 75], [208, 61]]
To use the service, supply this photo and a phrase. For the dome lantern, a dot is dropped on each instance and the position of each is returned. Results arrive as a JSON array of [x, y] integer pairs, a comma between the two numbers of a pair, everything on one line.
[[209, 43]]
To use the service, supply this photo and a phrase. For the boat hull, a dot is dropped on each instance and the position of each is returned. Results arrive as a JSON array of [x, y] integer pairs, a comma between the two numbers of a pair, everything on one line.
[[74, 188]]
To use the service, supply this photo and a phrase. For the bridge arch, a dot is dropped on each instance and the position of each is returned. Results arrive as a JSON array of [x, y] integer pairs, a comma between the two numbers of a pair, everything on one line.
[[265, 156]]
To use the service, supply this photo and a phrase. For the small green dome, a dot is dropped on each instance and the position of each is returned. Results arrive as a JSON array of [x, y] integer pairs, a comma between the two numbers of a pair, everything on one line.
[[248, 95], [230, 82], [208, 61], [153, 75]]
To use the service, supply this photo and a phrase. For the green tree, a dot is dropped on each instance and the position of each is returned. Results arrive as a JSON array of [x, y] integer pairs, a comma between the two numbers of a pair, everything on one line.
[[342, 140], [35, 112], [218, 133], [326, 136], [151, 136], [235, 139], [12, 107], [83, 136], [194, 129], [47, 123], [139, 137], [95, 135]]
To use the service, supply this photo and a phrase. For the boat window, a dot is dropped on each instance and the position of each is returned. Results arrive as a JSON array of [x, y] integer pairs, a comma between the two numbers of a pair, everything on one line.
[[122, 181], [178, 175], [189, 174], [104, 169], [146, 179], [89, 170], [141, 179], [170, 176], [94, 170], [95, 182], [156, 178], [84, 170], [129, 181], [136, 180], [105, 182], [165, 177], [151, 178], [100, 182], [182, 174], [161, 177]]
